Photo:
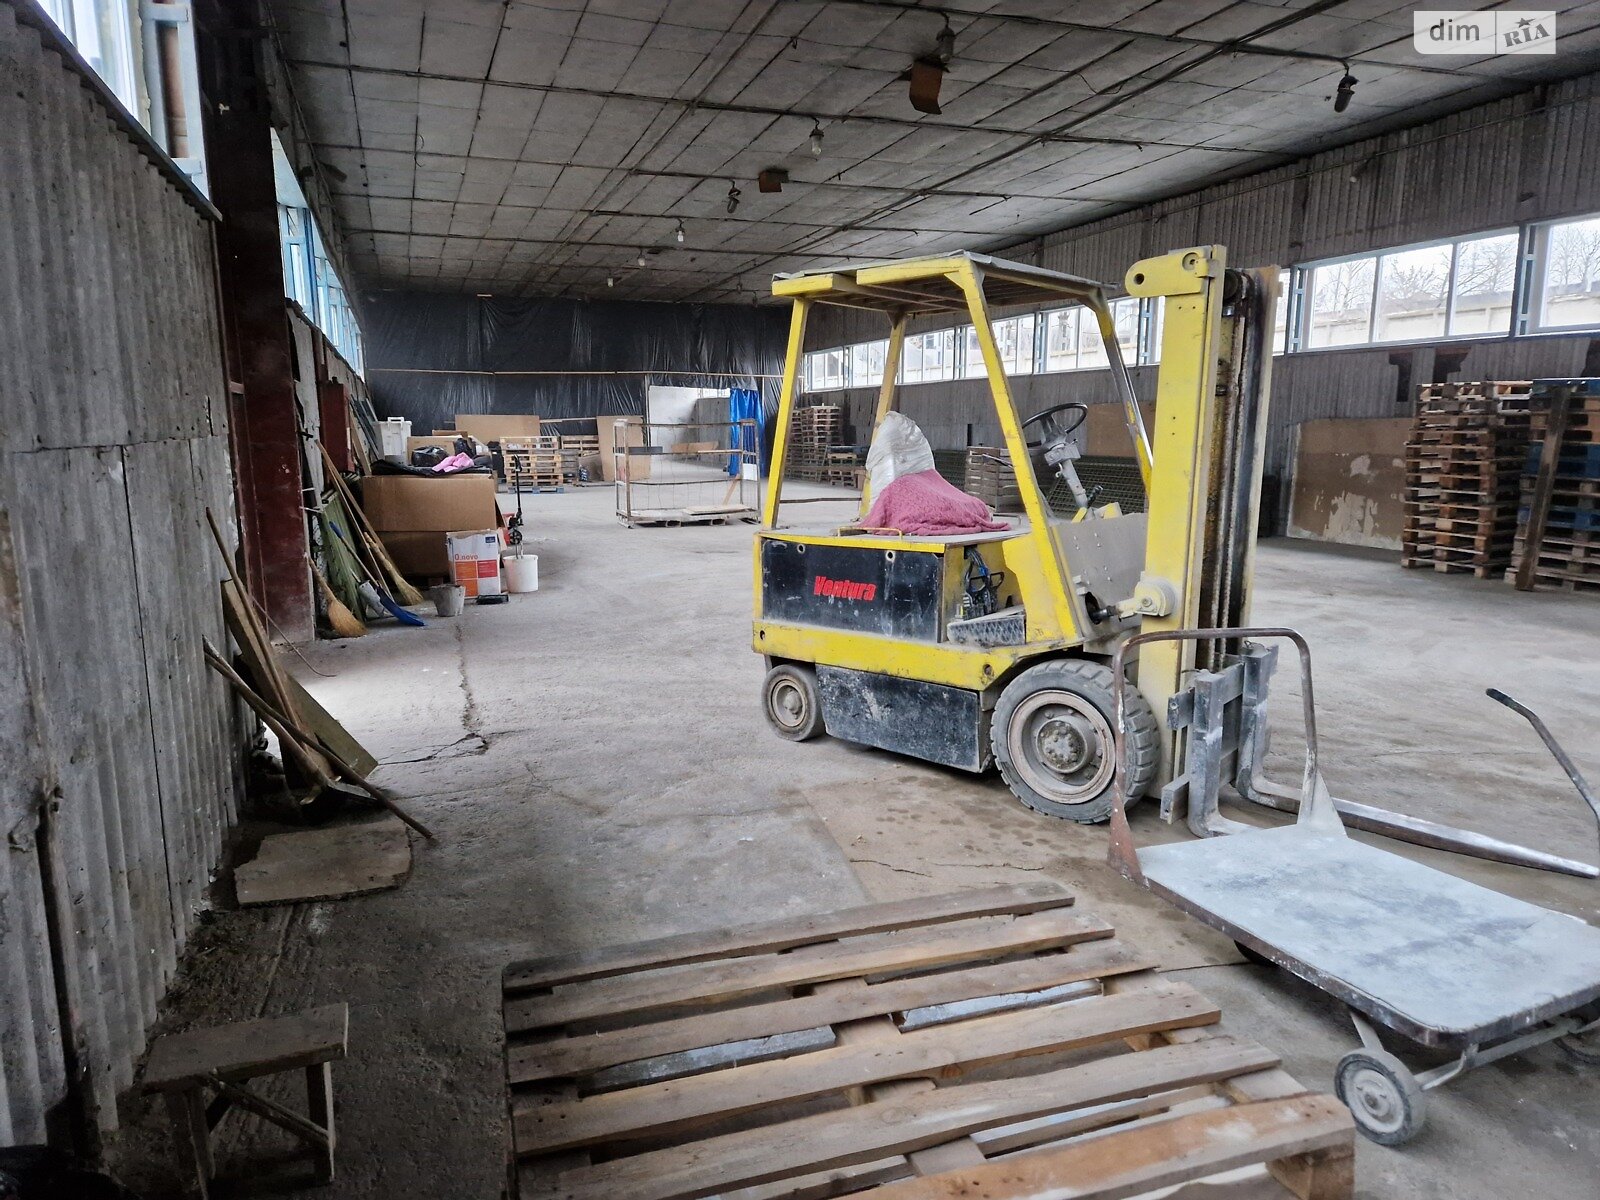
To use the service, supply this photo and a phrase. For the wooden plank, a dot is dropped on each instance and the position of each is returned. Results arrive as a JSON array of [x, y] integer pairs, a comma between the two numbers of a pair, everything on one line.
[[930, 1053], [1544, 485], [719, 982], [322, 724], [822, 1185], [1119, 1165], [582, 1055], [874, 1130], [785, 934], [248, 1048]]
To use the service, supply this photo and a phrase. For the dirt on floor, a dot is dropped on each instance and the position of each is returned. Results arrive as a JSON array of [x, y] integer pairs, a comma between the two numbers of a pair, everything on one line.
[[595, 761]]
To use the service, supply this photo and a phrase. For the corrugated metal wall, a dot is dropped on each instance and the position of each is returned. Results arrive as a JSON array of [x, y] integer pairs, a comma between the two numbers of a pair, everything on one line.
[[113, 427], [1529, 157]]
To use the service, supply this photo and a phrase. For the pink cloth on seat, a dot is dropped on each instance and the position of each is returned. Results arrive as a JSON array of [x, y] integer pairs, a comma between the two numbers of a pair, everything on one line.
[[925, 503]]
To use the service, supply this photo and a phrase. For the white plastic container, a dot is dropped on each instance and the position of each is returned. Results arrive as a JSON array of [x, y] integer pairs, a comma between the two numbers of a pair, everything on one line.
[[394, 432], [522, 572]]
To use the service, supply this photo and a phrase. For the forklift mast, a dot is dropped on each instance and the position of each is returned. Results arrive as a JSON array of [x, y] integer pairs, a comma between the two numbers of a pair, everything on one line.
[[1208, 445]]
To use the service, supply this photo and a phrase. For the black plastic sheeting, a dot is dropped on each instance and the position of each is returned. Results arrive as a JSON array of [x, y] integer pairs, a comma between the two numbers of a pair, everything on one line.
[[433, 355]]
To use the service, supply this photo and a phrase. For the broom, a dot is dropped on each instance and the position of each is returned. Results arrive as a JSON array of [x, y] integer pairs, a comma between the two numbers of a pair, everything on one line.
[[344, 622], [362, 529]]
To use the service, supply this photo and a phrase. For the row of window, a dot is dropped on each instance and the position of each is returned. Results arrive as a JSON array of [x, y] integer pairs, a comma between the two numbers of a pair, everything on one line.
[[163, 93], [1541, 278], [308, 276], [1063, 339], [145, 54]]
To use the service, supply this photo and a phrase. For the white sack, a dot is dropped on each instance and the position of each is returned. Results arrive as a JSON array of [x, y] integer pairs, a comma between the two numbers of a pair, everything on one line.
[[898, 449]]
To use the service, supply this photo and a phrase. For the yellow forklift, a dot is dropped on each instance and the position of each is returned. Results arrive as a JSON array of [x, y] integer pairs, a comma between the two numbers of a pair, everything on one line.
[[995, 648]]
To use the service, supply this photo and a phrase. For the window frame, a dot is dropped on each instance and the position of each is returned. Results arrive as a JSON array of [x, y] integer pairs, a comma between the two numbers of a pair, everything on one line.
[[1529, 315], [1301, 306]]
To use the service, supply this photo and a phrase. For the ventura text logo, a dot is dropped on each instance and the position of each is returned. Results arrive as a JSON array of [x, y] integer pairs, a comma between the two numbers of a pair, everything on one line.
[[1451, 31]]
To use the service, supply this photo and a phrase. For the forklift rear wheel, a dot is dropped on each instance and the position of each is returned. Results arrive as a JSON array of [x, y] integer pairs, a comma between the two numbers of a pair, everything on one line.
[[1052, 740], [791, 701], [1382, 1094]]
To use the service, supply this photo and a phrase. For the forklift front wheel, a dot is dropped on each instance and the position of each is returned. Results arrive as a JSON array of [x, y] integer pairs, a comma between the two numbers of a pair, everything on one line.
[[791, 701], [1051, 738]]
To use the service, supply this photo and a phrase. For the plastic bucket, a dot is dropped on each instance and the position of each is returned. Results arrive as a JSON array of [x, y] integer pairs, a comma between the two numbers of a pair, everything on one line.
[[448, 599], [522, 573]]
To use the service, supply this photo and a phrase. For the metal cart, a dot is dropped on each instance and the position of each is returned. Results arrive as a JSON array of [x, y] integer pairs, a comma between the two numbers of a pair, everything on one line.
[[1426, 955]]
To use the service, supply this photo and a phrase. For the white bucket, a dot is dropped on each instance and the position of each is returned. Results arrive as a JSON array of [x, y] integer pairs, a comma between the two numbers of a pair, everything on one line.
[[448, 598], [522, 572]]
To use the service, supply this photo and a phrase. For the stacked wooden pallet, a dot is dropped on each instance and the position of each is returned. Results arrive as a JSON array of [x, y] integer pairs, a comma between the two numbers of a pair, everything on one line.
[[1558, 529], [990, 478], [815, 431], [988, 1043], [1463, 461], [533, 462], [839, 465], [575, 446]]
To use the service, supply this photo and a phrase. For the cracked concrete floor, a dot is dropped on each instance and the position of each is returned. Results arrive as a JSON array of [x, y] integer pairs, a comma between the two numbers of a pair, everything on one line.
[[596, 764]]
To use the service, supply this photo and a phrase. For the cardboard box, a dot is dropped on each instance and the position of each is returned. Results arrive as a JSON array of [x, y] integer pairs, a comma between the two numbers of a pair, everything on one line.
[[425, 555], [475, 561], [637, 465], [413, 503], [494, 427]]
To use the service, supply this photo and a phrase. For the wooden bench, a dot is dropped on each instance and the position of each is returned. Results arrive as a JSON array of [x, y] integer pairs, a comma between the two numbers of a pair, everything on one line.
[[994, 1043], [185, 1067]]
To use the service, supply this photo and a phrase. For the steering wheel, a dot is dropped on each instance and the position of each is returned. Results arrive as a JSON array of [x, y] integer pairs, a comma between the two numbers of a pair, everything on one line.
[[1053, 431]]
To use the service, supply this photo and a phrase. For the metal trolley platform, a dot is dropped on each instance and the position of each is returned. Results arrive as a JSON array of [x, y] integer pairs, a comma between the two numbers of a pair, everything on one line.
[[1424, 954]]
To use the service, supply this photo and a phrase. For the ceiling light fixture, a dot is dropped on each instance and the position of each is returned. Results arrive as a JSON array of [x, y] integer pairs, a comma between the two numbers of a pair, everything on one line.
[[641, 260], [1346, 89], [611, 281], [927, 73], [733, 197], [678, 233], [816, 139]]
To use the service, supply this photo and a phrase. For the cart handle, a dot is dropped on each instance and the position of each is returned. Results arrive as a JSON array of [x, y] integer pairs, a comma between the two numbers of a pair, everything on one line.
[[1122, 853], [1561, 756]]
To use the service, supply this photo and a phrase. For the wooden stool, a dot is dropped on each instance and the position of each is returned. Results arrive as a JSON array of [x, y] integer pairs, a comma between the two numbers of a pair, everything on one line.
[[184, 1066]]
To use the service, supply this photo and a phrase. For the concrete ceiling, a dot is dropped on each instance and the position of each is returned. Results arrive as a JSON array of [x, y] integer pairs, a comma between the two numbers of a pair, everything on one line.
[[514, 147]]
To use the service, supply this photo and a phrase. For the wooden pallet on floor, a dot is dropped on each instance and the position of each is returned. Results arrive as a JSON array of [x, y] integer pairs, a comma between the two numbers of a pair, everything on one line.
[[816, 435], [707, 514], [991, 478], [1462, 462], [533, 463], [1559, 502], [951, 1045]]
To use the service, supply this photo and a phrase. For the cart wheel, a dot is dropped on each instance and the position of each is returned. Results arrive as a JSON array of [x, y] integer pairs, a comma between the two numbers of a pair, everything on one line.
[[1051, 738], [791, 701], [1582, 1047], [1255, 956], [1383, 1096]]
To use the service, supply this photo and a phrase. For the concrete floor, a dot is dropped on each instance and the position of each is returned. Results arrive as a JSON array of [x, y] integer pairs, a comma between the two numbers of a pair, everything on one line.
[[595, 761]]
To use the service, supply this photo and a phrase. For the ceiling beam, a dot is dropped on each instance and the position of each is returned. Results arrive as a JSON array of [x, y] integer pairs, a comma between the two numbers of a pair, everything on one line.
[[914, 192]]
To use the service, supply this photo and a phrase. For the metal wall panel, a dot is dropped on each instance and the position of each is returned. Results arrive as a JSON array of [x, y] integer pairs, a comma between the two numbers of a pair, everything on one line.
[[114, 438], [1529, 157]]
